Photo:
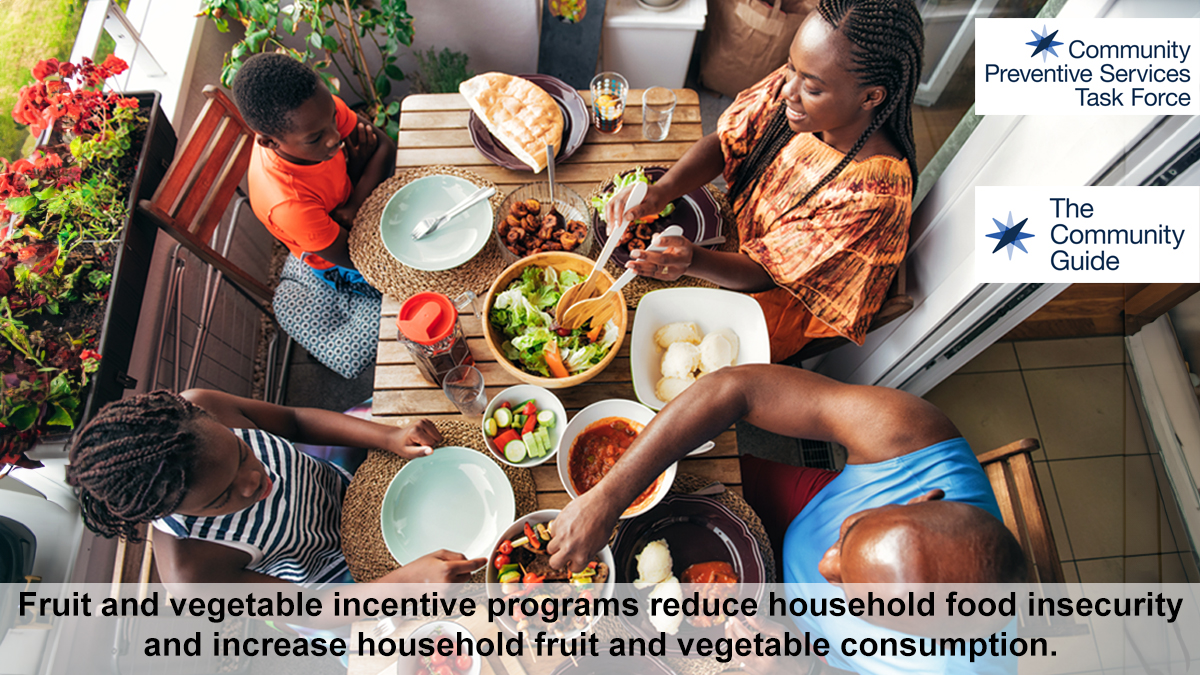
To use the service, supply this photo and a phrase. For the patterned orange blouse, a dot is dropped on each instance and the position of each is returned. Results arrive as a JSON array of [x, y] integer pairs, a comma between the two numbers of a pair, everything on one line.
[[834, 257]]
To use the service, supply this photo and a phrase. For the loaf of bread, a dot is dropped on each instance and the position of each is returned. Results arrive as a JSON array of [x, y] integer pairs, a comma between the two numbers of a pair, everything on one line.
[[520, 114]]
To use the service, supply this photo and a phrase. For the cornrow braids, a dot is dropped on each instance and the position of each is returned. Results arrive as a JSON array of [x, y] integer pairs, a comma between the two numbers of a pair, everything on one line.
[[888, 39], [131, 464]]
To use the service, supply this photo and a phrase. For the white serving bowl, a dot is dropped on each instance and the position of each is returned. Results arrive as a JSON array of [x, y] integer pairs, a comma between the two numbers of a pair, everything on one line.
[[545, 401], [617, 407], [516, 530], [710, 309]]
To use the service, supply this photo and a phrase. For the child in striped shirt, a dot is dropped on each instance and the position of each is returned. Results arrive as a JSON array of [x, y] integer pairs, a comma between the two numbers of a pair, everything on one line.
[[242, 503]]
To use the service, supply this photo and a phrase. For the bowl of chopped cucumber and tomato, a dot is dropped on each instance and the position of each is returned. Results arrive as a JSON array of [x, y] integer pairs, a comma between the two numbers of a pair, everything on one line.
[[523, 425]]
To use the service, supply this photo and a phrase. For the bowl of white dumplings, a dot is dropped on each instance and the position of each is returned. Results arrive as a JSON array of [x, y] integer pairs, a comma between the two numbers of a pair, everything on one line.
[[682, 334]]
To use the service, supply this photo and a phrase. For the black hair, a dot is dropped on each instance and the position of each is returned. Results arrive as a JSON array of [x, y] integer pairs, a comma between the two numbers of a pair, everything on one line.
[[132, 463], [887, 39], [269, 87]]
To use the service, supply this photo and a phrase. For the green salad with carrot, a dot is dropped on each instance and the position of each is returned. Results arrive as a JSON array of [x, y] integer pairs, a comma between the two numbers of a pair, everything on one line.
[[533, 341]]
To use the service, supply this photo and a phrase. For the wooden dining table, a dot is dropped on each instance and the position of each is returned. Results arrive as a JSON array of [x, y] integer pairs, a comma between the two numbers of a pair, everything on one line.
[[433, 131]]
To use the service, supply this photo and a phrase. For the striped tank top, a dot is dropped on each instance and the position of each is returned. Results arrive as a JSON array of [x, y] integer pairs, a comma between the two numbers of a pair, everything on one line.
[[295, 533]]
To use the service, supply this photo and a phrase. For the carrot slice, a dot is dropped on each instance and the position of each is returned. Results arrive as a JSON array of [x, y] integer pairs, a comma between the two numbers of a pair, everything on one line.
[[554, 359]]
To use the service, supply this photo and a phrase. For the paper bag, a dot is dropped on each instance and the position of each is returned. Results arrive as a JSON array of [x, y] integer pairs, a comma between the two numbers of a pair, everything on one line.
[[744, 40]]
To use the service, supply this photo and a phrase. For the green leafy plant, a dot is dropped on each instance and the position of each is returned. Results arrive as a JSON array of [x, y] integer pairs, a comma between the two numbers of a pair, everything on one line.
[[440, 73], [61, 209], [351, 29]]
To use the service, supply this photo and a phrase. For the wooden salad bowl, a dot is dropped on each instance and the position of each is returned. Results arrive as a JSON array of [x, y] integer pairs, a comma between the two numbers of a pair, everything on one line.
[[559, 261]]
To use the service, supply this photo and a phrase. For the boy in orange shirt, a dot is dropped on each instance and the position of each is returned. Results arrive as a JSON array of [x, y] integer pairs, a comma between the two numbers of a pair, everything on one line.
[[314, 164]]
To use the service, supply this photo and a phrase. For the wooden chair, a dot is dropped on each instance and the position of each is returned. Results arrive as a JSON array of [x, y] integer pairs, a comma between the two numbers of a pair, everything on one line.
[[896, 304], [1015, 483], [202, 180]]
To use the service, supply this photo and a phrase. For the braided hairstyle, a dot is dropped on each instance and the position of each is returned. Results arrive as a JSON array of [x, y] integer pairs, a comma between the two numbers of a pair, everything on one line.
[[269, 87], [887, 39], [131, 464]]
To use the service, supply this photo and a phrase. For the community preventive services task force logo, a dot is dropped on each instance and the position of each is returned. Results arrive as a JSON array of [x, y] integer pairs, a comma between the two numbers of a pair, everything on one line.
[[1087, 66], [1087, 234]]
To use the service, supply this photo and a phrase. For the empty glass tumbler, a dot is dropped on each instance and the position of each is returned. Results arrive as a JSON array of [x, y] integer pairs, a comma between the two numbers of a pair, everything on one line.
[[658, 105]]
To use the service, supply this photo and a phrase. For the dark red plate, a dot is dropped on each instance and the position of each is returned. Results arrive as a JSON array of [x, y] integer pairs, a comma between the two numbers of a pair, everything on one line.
[[575, 125], [696, 212], [697, 529]]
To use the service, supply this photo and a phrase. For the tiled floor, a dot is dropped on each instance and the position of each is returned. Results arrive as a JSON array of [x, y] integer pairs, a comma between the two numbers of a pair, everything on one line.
[[1112, 513]]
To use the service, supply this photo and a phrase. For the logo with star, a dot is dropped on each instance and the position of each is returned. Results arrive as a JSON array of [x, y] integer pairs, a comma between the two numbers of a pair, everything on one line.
[[1009, 236], [1043, 43]]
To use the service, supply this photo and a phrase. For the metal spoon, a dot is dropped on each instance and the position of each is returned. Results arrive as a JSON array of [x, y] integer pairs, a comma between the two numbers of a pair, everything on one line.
[[550, 170]]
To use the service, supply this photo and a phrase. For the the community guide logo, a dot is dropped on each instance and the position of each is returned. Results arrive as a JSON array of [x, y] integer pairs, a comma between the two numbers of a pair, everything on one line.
[[1009, 236], [1043, 43]]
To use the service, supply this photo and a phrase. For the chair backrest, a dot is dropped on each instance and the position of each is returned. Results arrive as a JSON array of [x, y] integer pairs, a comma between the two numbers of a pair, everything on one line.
[[1010, 471], [202, 180]]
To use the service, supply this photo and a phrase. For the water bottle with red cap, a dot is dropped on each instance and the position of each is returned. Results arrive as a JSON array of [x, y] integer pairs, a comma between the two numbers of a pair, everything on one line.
[[430, 329]]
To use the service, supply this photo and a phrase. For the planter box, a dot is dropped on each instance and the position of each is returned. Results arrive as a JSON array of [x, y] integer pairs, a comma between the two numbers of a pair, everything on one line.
[[131, 263]]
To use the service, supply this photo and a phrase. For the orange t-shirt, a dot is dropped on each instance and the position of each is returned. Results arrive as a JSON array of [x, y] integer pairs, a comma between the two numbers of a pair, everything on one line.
[[294, 201]]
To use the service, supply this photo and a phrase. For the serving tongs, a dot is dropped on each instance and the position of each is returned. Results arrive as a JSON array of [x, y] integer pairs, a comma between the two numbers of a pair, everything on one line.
[[600, 310], [583, 291]]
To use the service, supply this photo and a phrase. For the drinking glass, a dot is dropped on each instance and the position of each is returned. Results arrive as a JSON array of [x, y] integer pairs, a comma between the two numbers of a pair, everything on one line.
[[608, 101], [464, 387], [658, 104]]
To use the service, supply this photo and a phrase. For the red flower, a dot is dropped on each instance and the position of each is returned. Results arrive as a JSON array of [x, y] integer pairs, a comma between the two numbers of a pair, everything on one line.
[[88, 355], [45, 69], [114, 65], [128, 102], [47, 160]]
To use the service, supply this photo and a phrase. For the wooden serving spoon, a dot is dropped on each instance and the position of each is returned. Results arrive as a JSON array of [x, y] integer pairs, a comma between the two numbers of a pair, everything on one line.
[[585, 290], [601, 309]]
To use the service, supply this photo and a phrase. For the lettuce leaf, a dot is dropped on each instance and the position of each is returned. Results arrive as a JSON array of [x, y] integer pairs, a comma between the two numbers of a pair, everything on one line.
[[523, 312], [620, 182]]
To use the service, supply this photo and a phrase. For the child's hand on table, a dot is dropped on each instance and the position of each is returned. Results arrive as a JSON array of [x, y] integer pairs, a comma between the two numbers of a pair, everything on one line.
[[439, 567], [415, 440]]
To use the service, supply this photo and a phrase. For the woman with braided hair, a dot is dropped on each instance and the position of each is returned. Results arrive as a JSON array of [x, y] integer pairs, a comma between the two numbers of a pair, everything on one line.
[[821, 165], [237, 501]]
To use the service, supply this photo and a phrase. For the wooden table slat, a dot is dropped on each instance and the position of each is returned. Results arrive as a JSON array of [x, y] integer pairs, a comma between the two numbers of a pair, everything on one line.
[[426, 102], [627, 153], [630, 133]]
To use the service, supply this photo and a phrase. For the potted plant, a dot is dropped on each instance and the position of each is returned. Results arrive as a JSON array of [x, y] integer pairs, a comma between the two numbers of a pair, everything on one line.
[[73, 254]]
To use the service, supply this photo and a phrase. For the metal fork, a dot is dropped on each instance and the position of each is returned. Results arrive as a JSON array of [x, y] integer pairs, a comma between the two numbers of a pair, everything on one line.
[[383, 628], [428, 225]]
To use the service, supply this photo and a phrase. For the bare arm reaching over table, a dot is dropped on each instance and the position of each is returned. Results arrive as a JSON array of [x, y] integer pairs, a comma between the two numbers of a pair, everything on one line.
[[873, 423]]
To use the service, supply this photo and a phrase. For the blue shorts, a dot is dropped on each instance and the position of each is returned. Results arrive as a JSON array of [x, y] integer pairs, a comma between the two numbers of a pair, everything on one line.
[[346, 280]]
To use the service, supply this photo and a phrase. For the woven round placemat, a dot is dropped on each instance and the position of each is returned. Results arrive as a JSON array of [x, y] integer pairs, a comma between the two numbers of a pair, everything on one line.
[[362, 539], [640, 286], [400, 281]]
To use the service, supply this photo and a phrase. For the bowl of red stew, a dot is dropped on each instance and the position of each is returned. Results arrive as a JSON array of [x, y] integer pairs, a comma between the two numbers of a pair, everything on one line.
[[593, 442]]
